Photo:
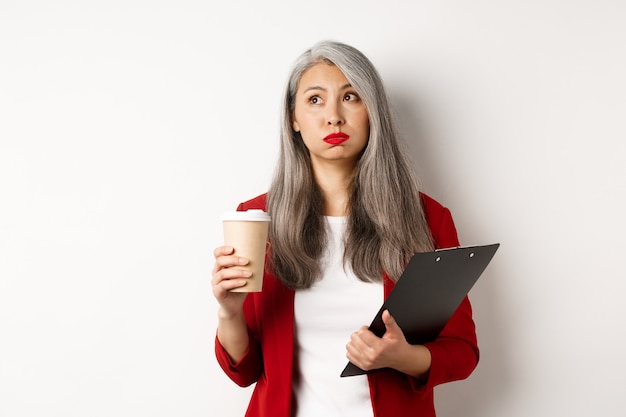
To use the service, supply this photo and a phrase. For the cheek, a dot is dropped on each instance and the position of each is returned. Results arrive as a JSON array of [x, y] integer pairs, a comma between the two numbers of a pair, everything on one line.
[[365, 122], [363, 115], [299, 116]]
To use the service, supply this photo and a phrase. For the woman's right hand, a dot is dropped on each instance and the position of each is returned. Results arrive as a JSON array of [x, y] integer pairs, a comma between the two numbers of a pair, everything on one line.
[[232, 330], [227, 276]]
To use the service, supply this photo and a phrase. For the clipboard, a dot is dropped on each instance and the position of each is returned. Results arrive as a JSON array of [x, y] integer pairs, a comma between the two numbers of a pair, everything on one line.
[[429, 291]]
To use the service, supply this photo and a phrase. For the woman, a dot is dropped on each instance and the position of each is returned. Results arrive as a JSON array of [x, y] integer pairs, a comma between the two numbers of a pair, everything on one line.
[[346, 217]]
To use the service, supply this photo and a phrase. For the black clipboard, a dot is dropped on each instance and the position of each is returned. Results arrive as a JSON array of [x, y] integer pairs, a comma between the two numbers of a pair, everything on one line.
[[429, 291]]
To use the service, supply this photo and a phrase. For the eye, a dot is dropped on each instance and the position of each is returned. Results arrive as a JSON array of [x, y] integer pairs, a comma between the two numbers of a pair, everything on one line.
[[351, 97], [315, 99]]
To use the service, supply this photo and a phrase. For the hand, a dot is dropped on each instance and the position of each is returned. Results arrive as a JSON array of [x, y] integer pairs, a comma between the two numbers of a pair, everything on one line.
[[232, 330], [368, 351], [226, 276]]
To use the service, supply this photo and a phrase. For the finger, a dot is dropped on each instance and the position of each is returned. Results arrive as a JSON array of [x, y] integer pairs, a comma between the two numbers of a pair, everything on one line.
[[390, 322], [354, 348], [230, 284], [391, 326], [227, 261], [223, 250], [358, 351], [362, 340], [368, 338], [222, 287], [353, 354], [230, 274]]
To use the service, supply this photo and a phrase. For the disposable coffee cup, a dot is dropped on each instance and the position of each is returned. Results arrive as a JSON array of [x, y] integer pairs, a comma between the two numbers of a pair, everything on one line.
[[246, 232]]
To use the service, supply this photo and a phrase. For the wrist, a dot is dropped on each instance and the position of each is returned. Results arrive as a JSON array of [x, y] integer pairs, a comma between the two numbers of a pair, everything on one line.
[[225, 315], [416, 361]]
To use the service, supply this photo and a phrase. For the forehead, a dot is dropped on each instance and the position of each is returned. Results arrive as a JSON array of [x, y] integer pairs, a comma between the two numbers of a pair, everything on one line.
[[322, 75]]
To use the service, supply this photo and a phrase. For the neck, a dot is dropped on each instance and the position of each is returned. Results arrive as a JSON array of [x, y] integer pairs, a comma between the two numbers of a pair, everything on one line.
[[334, 181]]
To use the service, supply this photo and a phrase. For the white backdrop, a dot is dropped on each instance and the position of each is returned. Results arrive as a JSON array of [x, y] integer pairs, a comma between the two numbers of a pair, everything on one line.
[[127, 127]]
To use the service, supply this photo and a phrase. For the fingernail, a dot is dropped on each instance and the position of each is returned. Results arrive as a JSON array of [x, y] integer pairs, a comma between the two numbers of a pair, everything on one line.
[[243, 261]]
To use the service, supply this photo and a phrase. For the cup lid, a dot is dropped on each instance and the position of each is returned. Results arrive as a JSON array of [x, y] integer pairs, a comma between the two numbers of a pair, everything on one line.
[[249, 215]]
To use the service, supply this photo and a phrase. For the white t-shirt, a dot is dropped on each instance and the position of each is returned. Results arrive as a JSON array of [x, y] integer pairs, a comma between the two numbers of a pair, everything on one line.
[[325, 316]]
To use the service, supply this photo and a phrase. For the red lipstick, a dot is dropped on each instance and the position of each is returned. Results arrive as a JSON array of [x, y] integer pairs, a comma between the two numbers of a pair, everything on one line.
[[336, 138]]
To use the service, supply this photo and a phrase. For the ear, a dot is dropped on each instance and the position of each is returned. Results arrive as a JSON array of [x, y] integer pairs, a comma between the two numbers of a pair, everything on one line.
[[294, 124]]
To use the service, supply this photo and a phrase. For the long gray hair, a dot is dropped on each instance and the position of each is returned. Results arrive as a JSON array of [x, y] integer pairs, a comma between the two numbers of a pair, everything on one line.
[[386, 220]]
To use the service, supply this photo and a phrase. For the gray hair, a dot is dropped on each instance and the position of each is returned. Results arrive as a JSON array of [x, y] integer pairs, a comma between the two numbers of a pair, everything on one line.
[[386, 219]]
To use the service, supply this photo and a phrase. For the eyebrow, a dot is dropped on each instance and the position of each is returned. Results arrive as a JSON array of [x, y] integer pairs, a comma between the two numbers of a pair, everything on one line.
[[317, 87]]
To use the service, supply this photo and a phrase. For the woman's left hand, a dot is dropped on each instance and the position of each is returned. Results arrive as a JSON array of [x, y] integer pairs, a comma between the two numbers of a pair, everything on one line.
[[368, 351]]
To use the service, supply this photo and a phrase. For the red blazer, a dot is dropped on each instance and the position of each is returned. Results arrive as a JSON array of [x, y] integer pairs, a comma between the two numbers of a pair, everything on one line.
[[269, 359]]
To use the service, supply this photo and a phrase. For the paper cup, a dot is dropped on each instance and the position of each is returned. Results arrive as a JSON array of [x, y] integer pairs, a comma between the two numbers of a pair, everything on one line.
[[246, 231]]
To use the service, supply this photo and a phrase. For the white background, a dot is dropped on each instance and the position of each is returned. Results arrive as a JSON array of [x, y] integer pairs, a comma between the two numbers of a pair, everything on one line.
[[128, 127]]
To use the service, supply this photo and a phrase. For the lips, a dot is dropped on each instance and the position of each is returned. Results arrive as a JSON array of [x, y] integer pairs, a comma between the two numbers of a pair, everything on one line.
[[336, 138]]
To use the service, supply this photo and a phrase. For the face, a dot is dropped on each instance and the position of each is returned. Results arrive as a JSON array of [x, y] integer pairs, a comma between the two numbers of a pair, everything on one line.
[[330, 116]]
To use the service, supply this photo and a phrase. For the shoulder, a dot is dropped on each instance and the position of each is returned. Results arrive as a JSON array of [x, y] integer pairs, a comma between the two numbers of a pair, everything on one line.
[[440, 222], [433, 209], [257, 203]]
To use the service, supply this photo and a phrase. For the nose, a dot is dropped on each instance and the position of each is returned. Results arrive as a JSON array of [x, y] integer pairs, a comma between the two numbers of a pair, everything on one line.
[[335, 116]]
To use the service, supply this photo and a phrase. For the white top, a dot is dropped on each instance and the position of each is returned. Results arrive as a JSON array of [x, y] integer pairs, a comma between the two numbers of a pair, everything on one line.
[[325, 316]]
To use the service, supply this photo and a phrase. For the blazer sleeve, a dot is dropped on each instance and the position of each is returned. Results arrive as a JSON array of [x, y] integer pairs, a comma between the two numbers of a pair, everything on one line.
[[455, 352], [248, 369]]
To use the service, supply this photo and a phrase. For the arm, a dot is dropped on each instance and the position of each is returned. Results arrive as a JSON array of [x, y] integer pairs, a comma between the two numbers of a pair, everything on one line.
[[232, 330], [452, 356], [237, 347], [236, 351], [455, 352]]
